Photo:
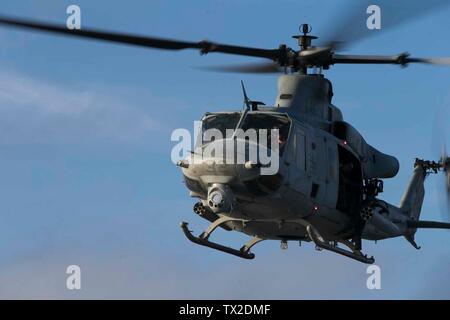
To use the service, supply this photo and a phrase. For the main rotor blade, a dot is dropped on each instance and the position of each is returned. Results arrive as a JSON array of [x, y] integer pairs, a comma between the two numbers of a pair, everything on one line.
[[401, 59], [364, 59], [246, 68], [350, 26], [437, 61], [142, 41]]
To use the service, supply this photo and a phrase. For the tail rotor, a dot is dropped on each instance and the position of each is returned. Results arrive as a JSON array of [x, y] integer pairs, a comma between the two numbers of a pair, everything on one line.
[[440, 131], [445, 165]]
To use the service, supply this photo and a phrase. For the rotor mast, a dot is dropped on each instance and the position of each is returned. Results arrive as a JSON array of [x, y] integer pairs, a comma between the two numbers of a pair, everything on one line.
[[304, 42]]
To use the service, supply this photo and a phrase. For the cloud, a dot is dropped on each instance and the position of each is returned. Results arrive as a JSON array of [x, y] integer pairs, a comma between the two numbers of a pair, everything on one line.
[[38, 111]]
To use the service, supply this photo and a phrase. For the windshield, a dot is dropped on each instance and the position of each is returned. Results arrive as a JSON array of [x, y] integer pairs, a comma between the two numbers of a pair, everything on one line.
[[256, 121], [260, 121], [221, 122]]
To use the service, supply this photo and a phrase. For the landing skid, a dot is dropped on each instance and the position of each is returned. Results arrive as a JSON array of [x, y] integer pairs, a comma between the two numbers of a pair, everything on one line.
[[202, 240], [244, 252], [353, 254]]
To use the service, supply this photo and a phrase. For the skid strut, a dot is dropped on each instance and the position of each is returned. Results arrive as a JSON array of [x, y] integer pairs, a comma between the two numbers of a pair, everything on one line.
[[202, 239], [354, 253]]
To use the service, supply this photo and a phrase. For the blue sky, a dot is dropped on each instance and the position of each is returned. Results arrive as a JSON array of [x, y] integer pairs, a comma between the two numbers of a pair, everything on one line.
[[86, 176]]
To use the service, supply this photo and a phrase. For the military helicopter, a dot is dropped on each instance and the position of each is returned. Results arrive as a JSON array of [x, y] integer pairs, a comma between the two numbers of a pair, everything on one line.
[[326, 189]]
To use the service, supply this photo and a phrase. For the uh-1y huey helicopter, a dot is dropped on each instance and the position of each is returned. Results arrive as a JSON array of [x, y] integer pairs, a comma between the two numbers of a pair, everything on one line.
[[329, 178]]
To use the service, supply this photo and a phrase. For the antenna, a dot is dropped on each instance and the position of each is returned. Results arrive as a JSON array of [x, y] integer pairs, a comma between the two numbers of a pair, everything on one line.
[[247, 101], [250, 104]]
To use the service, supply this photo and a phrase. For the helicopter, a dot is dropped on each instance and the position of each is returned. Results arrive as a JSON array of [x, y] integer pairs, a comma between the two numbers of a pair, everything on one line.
[[328, 181]]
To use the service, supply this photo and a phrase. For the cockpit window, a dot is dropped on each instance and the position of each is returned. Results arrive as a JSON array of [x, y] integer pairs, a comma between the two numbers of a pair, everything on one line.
[[250, 120], [265, 121], [260, 121], [221, 122]]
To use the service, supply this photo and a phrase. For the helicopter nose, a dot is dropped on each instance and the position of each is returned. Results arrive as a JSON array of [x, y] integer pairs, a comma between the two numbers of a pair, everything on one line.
[[235, 170], [225, 160]]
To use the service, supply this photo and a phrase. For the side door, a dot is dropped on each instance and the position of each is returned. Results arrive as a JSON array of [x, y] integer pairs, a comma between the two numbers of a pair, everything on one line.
[[297, 159], [332, 177], [323, 169], [317, 160]]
